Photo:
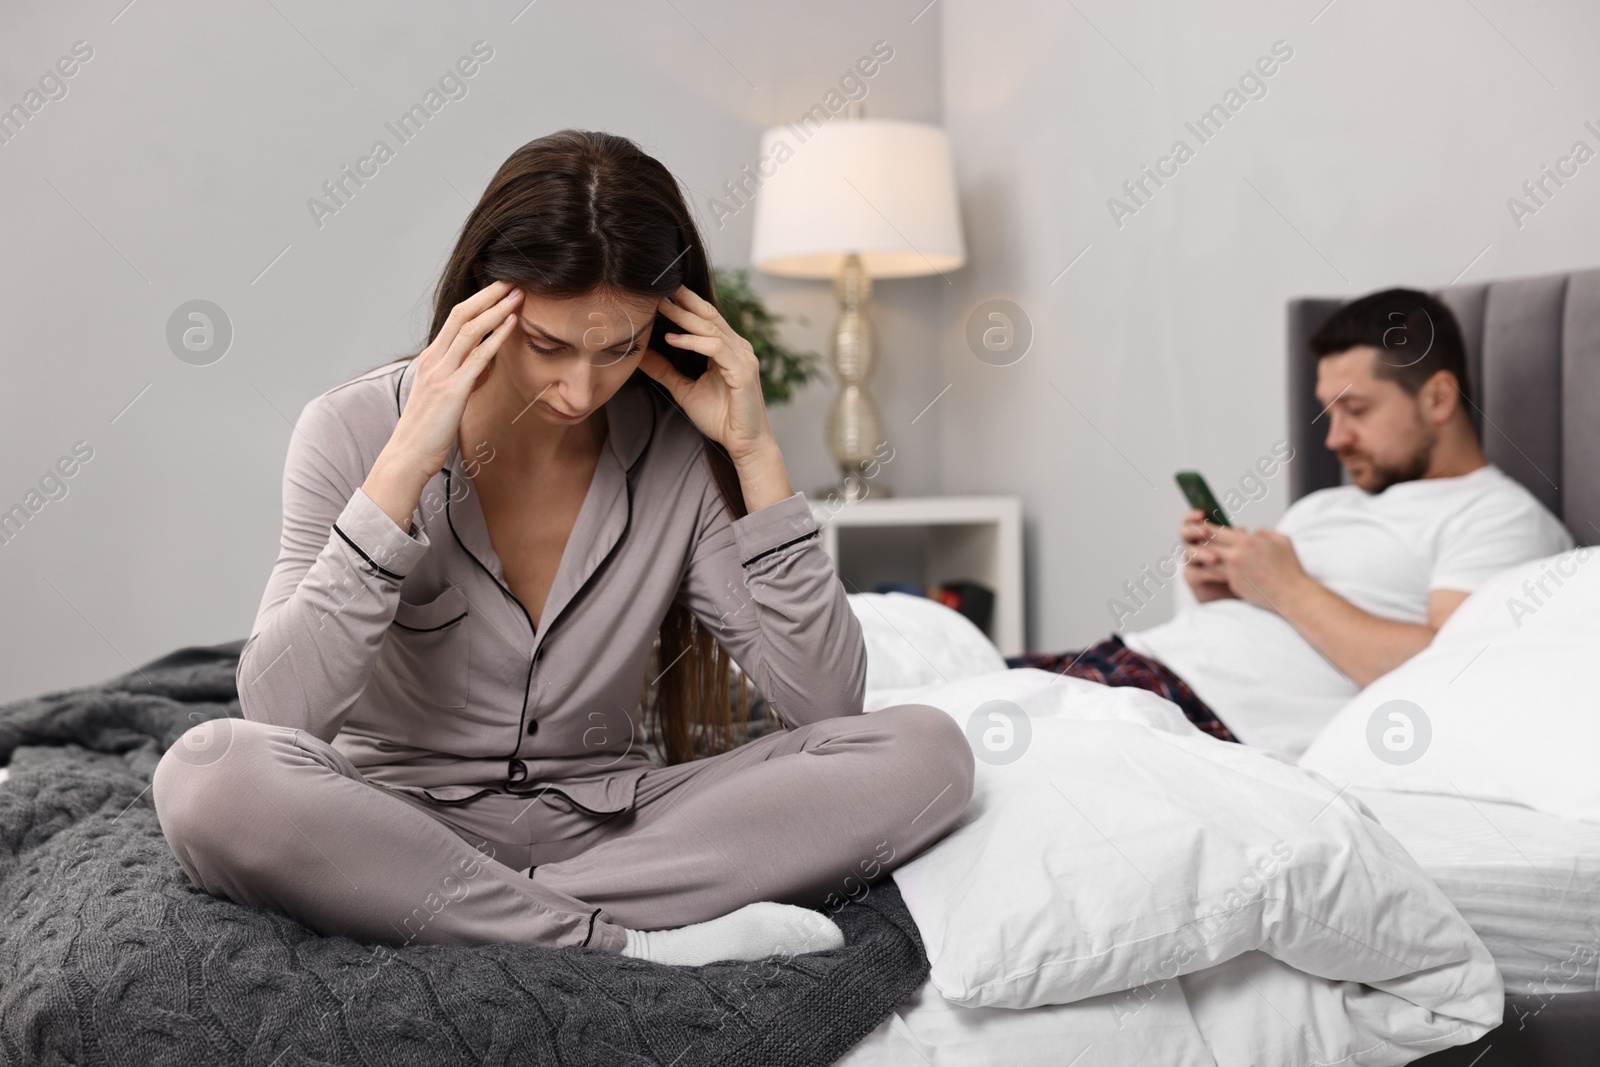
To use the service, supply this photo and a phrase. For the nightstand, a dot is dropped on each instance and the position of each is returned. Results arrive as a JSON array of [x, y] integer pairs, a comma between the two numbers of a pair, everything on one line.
[[930, 540]]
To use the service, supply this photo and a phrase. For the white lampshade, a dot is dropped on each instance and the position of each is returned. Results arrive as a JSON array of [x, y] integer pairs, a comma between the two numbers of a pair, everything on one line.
[[882, 188]]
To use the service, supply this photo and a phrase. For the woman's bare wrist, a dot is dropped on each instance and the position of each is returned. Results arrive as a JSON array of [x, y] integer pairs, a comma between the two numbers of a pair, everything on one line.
[[395, 484], [763, 477]]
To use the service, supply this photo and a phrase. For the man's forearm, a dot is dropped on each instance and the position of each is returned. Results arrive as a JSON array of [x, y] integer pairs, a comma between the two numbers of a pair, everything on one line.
[[1361, 645]]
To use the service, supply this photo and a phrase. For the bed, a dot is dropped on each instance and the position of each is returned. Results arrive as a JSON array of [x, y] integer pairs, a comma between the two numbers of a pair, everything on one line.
[[1470, 909], [110, 955]]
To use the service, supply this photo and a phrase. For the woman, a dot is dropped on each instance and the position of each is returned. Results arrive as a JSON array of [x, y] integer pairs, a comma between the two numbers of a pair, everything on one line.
[[442, 738]]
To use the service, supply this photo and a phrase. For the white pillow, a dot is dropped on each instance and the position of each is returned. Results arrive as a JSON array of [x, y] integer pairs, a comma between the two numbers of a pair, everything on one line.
[[1109, 844], [913, 641], [1510, 710]]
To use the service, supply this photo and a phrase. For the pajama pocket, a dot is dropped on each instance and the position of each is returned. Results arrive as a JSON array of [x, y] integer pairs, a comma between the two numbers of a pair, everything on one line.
[[428, 648]]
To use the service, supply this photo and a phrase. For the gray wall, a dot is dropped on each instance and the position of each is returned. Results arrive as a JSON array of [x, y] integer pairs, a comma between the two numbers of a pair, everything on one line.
[[179, 162], [177, 166]]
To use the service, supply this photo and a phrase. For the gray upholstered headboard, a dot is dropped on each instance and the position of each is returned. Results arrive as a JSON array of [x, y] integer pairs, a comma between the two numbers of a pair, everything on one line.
[[1533, 358]]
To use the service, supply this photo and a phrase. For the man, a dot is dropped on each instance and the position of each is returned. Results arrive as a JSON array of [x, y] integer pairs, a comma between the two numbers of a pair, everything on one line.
[[1285, 625]]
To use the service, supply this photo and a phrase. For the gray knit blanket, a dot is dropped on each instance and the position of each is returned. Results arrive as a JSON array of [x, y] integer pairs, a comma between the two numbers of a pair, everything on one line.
[[110, 955]]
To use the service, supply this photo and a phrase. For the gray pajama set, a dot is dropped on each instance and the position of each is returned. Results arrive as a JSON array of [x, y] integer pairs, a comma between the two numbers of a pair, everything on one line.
[[416, 762]]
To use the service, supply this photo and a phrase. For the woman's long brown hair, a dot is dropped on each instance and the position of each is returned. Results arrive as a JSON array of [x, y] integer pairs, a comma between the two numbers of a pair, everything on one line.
[[578, 212]]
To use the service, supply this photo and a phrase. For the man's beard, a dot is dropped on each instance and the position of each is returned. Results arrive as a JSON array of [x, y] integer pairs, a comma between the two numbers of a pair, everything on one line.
[[1393, 474]]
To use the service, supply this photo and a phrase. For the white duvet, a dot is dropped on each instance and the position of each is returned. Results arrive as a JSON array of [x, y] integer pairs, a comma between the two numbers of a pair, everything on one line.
[[1152, 895]]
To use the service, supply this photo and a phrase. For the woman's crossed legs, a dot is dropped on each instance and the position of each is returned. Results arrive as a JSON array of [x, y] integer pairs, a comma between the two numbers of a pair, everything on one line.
[[273, 817]]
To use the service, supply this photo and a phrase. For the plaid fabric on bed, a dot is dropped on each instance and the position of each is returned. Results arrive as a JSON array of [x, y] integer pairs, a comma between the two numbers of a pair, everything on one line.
[[1113, 663]]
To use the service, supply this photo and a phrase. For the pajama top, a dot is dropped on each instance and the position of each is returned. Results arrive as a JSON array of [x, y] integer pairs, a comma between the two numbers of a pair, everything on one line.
[[407, 651]]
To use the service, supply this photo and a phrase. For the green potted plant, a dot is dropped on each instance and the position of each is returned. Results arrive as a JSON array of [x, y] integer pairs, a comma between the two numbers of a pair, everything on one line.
[[783, 369]]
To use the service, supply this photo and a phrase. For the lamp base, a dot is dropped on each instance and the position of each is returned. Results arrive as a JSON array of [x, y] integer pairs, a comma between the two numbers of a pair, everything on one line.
[[851, 487]]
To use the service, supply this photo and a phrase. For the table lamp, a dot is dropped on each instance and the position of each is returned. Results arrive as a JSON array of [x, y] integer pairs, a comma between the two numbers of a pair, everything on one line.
[[854, 199]]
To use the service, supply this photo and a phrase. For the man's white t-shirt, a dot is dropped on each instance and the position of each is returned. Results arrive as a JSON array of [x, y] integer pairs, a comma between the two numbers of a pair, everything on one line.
[[1384, 553]]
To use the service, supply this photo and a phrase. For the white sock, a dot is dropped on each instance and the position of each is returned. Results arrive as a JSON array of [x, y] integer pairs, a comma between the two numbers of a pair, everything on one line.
[[754, 932]]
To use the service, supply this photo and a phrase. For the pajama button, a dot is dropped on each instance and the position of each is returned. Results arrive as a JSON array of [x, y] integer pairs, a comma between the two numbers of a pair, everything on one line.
[[533, 727]]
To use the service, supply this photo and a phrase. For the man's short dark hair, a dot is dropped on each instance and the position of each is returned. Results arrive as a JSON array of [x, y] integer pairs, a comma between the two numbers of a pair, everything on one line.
[[1415, 335]]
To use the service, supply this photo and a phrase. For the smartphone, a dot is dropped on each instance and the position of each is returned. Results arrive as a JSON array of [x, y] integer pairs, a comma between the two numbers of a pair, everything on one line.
[[1199, 495]]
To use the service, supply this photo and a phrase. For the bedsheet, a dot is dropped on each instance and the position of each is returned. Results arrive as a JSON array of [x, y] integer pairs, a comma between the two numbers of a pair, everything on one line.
[[1528, 882], [1253, 1011]]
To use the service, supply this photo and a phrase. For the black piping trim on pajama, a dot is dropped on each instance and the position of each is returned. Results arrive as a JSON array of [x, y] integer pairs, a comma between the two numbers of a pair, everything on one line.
[[564, 795], [460, 800], [779, 548], [431, 629], [381, 570], [593, 915], [627, 523], [527, 685], [527, 682]]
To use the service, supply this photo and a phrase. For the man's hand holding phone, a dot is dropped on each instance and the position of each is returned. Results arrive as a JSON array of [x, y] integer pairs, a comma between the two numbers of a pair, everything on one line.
[[1261, 566], [1204, 572]]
